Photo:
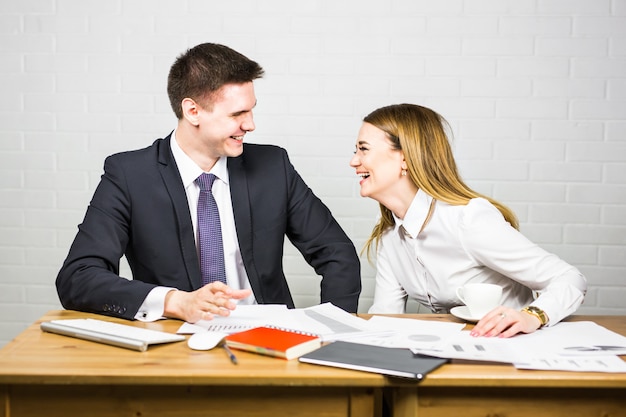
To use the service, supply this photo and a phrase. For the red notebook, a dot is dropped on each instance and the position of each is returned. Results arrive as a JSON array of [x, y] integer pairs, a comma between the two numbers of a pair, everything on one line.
[[272, 341]]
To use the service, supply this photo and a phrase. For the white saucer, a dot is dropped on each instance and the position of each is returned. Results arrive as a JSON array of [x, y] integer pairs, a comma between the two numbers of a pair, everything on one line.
[[463, 313]]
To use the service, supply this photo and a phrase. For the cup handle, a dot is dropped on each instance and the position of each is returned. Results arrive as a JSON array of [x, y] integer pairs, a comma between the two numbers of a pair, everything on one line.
[[459, 293]]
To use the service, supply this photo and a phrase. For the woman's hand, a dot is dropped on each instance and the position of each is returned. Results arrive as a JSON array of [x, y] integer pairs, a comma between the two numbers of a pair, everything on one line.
[[213, 299], [505, 322]]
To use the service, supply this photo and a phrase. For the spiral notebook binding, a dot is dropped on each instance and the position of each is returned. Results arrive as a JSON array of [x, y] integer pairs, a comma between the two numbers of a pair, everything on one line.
[[286, 329]]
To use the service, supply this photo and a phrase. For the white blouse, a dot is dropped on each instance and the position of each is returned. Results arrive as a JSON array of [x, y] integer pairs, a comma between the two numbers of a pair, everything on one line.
[[470, 243]]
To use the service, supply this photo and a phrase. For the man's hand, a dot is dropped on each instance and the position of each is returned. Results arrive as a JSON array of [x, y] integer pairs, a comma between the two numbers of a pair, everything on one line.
[[203, 304]]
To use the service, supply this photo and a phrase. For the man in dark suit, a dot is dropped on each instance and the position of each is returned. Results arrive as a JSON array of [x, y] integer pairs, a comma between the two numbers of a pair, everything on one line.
[[145, 208]]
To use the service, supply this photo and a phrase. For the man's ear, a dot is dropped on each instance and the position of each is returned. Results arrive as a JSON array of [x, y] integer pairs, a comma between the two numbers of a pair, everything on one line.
[[190, 111]]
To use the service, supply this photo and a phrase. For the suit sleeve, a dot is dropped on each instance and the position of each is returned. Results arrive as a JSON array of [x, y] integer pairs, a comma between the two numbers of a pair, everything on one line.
[[89, 278], [325, 246]]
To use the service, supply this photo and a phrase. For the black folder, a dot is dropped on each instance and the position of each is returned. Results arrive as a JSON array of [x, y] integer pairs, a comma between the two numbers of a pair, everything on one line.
[[387, 361]]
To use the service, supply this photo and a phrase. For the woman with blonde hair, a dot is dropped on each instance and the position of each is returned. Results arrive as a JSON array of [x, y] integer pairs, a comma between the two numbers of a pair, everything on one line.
[[436, 234]]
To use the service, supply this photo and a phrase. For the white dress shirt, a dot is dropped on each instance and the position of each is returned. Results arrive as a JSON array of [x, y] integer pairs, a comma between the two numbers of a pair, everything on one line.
[[469, 243], [236, 277]]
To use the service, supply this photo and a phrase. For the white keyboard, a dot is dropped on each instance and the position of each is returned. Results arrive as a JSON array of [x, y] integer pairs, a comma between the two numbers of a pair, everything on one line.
[[116, 334]]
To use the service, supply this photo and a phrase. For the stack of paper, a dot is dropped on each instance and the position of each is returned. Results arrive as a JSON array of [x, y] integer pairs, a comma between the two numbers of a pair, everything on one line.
[[571, 346]]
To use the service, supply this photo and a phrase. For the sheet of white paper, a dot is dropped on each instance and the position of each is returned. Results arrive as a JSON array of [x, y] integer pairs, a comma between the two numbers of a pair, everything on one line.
[[464, 346], [325, 320], [548, 348], [612, 364], [408, 333], [244, 317], [583, 338], [330, 322]]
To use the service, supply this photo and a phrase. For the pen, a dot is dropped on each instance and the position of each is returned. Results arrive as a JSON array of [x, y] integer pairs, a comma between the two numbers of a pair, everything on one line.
[[230, 353]]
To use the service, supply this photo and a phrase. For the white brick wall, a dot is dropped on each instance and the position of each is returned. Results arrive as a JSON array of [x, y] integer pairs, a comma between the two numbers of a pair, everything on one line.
[[535, 91]]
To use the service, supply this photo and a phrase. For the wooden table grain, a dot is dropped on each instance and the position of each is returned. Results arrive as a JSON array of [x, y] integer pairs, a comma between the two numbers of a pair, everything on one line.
[[53, 375], [474, 389]]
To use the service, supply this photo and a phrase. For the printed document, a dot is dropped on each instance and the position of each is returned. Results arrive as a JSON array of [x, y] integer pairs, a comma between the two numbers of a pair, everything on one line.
[[569, 346]]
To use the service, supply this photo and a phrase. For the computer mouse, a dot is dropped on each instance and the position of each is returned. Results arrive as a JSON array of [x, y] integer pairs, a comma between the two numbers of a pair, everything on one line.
[[205, 340]]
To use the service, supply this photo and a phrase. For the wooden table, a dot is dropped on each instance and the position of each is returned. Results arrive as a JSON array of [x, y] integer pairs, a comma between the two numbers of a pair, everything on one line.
[[52, 375], [471, 389], [44, 374]]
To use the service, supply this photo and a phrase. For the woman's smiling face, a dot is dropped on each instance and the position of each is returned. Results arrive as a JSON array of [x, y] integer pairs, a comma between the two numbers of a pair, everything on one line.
[[378, 164]]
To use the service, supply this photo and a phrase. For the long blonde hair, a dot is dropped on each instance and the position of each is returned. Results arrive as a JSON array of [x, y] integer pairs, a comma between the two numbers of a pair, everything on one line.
[[419, 133]]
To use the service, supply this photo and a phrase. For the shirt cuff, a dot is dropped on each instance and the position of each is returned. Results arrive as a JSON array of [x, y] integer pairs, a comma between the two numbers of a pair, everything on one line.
[[153, 306]]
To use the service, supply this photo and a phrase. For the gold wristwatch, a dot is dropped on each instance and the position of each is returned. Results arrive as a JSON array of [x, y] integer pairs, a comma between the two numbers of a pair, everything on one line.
[[537, 312]]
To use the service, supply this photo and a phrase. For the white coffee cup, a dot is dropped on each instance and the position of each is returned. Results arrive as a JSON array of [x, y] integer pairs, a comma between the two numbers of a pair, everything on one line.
[[480, 298]]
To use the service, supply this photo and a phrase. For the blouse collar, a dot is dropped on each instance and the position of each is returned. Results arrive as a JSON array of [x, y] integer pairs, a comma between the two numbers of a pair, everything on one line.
[[416, 214]]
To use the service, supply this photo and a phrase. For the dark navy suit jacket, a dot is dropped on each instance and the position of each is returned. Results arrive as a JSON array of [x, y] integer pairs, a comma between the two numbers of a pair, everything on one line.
[[140, 209]]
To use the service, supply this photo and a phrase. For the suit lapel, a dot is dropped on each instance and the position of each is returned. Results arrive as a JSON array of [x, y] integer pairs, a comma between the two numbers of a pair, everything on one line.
[[171, 178], [243, 219]]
